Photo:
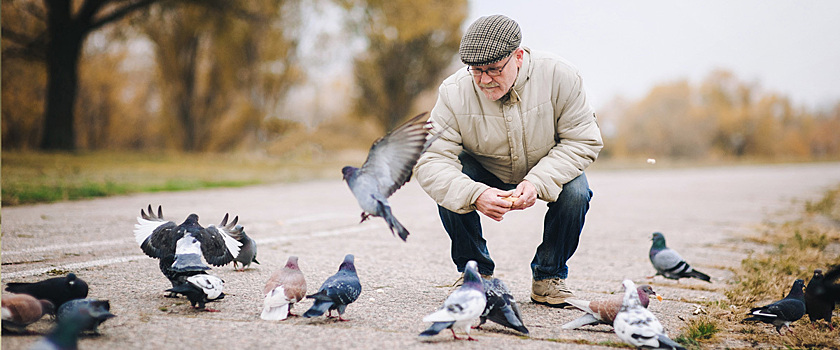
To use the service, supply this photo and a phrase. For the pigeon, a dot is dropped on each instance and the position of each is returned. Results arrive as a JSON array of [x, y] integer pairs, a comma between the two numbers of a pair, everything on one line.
[[669, 263], [501, 306], [65, 334], [248, 250], [338, 291], [180, 247], [58, 290], [821, 294], [285, 288], [603, 311], [638, 326], [388, 167], [200, 289], [461, 308], [782, 312], [99, 311], [21, 310]]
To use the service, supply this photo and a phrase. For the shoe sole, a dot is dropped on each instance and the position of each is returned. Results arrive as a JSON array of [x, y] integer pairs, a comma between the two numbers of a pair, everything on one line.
[[561, 305]]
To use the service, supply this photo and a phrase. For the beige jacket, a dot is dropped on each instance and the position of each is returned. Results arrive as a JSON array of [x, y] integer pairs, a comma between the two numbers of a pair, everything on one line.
[[545, 132]]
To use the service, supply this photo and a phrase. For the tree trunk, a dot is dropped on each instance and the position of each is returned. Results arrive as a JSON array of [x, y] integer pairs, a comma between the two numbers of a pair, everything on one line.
[[62, 70]]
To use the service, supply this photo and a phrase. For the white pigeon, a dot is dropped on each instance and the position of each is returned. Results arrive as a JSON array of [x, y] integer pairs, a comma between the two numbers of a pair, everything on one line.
[[638, 326], [462, 308]]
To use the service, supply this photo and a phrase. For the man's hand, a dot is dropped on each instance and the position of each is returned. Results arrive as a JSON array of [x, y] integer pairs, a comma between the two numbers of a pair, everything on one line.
[[490, 203], [527, 194]]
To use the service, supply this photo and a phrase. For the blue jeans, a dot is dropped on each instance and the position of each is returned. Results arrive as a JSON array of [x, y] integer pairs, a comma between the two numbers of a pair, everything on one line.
[[561, 231]]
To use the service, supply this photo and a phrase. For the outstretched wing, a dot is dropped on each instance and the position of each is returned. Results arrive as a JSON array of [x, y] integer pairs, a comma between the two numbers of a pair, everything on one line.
[[155, 235], [392, 157], [217, 243]]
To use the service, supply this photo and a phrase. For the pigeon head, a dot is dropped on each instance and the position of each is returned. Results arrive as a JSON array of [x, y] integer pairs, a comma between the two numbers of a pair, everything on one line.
[[631, 295], [818, 275], [658, 240], [645, 292], [78, 287], [292, 263], [348, 264], [191, 220], [471, 275], [796, 291], [348, 172], [47, 307]]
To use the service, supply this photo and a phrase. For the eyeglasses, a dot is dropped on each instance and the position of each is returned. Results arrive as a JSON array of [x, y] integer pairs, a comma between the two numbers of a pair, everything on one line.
[[491, 72]]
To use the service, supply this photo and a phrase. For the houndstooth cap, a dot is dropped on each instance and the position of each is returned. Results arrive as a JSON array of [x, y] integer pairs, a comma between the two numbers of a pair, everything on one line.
[[489, 39]]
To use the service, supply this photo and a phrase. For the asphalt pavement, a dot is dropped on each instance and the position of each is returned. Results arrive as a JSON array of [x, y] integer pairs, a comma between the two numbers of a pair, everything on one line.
[[704, 214]]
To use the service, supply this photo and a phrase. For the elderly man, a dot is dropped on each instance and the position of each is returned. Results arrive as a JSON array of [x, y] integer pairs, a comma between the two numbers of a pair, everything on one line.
[[515, 127]]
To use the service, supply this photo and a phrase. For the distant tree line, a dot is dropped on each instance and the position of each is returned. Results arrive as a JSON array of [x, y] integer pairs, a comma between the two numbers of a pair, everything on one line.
[[206, 75], [722, 117]]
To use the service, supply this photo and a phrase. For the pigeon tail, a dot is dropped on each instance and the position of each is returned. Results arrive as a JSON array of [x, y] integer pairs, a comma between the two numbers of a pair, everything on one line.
[[393, 224], [318, 308], [507, 317], [436, 328], [699, 275], [667, 343], [276, 306], [584, 320]]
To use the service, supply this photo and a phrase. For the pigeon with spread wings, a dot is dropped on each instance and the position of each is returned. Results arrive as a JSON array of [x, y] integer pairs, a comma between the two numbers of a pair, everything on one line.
[[388, 167], [180, 247]]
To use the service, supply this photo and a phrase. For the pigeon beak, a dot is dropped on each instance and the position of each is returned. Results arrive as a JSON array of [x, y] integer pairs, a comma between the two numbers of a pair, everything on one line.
[[659, 297]]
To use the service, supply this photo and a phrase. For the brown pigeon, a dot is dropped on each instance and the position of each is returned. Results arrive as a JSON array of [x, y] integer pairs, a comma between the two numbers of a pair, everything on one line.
[[604, 311], [20, 310], [285, 288]]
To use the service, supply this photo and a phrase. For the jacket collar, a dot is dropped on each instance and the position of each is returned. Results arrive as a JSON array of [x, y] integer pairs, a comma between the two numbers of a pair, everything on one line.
[[521, 78]]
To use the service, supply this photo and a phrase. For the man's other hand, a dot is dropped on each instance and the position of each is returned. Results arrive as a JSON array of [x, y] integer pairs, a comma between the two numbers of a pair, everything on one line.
[[490, 203], [527, 194]]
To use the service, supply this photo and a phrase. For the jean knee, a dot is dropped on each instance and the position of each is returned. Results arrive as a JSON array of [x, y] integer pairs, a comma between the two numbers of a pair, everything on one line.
[[576, 192]]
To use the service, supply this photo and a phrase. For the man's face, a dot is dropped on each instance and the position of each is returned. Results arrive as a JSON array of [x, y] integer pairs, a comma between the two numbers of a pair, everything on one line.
[[494, 87]]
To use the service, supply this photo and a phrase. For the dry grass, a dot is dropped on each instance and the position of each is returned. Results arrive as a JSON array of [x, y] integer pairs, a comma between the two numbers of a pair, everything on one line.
[[793, 250]]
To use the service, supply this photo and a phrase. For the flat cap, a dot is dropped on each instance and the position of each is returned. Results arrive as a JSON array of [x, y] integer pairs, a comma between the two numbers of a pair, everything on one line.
[[489, 39]]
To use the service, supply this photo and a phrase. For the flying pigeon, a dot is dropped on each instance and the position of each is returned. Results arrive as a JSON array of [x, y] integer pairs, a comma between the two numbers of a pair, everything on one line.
[[99, 311], [337, 291], [603, 311], [501, 306], [782, 312], [638, 326], [58, 290], [21, 310], [388, 167], [180, 247], [65, 334], [461, 308], [821, 294], [248, 250], [200, 289], [285, 288], [669, 263]]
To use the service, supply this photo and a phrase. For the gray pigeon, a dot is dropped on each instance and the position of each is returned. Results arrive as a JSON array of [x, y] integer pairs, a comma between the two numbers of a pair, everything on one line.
[[65, 334], [99, 311], [669, 263], [604, 310], [58, 290], [248, 250], [337, 291], [284, 288], [180, 247], [782, 312], [638, 326], [21, 310], [501, 306], [461, 308], [388, 167]]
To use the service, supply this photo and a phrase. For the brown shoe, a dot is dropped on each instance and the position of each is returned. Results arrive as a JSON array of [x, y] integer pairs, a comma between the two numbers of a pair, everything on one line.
[[551, 292], [460, 281]]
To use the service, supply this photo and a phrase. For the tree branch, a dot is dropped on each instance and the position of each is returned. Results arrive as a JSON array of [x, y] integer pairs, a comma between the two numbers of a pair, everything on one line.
[[119, 13]]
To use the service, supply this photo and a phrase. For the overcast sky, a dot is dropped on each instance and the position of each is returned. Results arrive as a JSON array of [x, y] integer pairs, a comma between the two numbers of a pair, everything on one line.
[[626, 47]]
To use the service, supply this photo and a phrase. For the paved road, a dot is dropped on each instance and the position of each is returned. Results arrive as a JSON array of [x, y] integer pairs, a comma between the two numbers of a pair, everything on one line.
[[702, 212]]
